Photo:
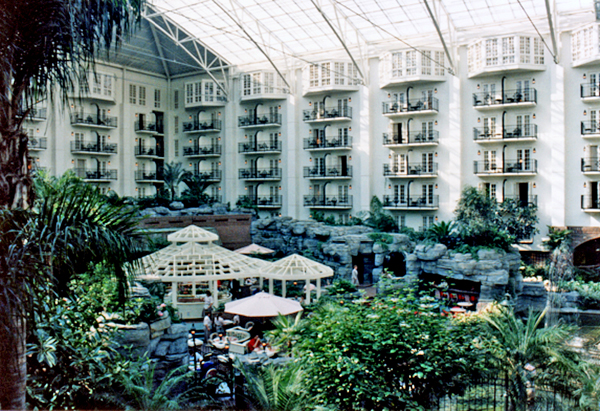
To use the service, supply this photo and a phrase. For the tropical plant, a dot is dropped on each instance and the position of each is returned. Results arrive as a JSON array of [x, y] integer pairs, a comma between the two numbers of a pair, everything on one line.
[[378, 218], [173, 176], [443, 233], [71, 226], [276, 387], [528, 354], [45, 45], [395, 352], [287, 331], [557, 238]]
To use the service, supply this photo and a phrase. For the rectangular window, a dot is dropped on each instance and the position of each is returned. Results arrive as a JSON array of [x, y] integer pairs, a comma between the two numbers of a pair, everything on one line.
[[156, 98], [339, 73], [325, 74], [189, 93], [132, 94], [491, 52], [402, 221], [538, 51], [209, 90], [256, 86], [142, 95], [426, 63], [439, 63], [247, 85], [176, 99], [97, 84], [269, 83], [176, 124], [508, 50], [525, 50], [198, 92], [397, 64], [176, 147], [314, 75], [411, 63]]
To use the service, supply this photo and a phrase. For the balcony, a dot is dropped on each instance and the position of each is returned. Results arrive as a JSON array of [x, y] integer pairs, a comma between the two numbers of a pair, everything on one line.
[[508, 133], [149, 152], [264, 120], [260, 174], [523, 201], [82, 119], [590, 204], [211, 176], [329, 172], [407, 66], [330, 202], [37, 144], [414, 107], [263, 85], [506, 53], [413, 202], [204, 127], [590, 129], [266, 201], [590, 165], [411, 171], [326, 76], [212, 150], [259, 147], [96, 175], [510, 167], [148, 128], [204, 93], [510, 98], [584, 45], [328, 143], [327, 114], [35, 114], [413, 138], [95, 148], [143, 176]]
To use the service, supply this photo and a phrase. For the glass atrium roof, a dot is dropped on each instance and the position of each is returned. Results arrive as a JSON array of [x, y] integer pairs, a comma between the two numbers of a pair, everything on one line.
[[247, 31]]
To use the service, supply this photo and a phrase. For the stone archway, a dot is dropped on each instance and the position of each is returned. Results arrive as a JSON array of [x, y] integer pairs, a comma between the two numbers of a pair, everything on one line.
[[395, 263], [587, 253]]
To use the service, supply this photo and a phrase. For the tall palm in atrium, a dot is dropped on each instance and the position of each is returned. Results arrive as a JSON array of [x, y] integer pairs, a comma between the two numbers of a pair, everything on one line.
[[45, 46]]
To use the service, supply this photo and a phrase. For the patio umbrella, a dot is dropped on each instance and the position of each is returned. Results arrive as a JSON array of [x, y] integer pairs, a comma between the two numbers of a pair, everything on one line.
[[263, 305], [254, 249]]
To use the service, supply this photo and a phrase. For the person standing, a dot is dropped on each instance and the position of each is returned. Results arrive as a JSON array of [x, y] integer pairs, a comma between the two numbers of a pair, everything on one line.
[[207, 327], [219, 324], [208, 303], [355, 275]]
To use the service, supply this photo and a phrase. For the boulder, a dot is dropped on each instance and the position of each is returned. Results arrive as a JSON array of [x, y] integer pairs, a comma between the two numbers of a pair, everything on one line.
[[176, 205], [178, 346], [204, 210], [219, 209], [161, 324], [161, 211], [136, 335], [430, 252], [162, 348]]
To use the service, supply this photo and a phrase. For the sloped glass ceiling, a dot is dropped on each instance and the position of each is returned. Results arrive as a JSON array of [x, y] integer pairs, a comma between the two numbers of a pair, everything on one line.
[[247, 31]]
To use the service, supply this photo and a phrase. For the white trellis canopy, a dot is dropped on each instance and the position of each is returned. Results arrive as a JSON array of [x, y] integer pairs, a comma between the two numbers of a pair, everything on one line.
[[192, 233], [297, 268]]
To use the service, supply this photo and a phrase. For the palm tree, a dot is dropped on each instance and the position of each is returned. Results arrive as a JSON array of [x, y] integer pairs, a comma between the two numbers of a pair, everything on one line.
[[276, 387], [70, 226], [173, 175], [45, 45], [527, 354], [287, 331]]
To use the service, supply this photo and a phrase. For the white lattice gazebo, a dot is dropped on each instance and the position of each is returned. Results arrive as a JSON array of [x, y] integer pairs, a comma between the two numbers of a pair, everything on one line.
[[296, 268], [192, 262]]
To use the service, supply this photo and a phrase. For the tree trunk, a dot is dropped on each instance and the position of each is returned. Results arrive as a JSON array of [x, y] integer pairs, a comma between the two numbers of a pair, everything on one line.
[[15, 179], [13, 365]]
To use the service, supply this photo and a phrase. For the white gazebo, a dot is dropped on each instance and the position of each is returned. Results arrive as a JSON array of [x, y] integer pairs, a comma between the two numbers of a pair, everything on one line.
[[297, 268], [192, 262]]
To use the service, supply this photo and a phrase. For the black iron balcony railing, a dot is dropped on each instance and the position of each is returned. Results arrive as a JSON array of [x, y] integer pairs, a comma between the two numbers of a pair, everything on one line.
[[89, 119], [590, 90], [327, 142], [590, 164], [327, 113], [149, 127], [590, 127], [260, 173], [413, 201], [208, 175], [523, 201], [215, 198], [148, 175], [95, 174], [193, 126], [209, 150], [412, 106], [328, 201], [259, 147], [40, 143], [508, 97], [414, 137], [508, 167], [35, 113], [264, 201], [508, 132], [328, 172], [259, 120], [589, 202], [427, 169], [149, 151], [79, 146]]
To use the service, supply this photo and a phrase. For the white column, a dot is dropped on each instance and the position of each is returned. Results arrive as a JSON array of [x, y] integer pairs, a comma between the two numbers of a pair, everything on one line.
[[307, 291], [215, 294], [318, 288], [270, 286], [260, 282], [283, 288]]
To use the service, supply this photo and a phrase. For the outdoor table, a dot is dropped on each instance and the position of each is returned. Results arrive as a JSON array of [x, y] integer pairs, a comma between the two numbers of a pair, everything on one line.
[[464, 304]]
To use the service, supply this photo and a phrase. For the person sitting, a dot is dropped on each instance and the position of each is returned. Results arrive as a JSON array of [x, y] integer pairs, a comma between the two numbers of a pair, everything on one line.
[[254, 343]]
